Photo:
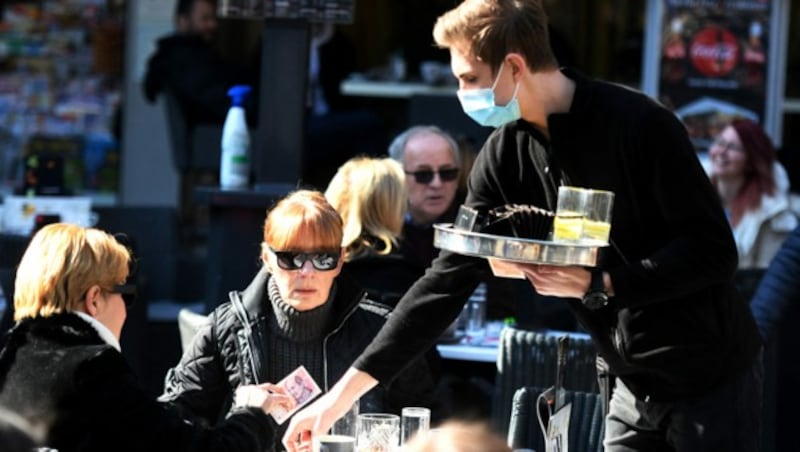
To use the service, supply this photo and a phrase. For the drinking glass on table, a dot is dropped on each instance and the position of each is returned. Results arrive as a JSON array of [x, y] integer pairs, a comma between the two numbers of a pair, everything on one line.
[[334, 443], [377, 432], [476, 315], [346, 425], [414, 421]]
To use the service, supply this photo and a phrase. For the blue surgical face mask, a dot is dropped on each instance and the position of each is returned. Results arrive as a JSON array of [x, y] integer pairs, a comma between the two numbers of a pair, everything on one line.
[[479, 105]]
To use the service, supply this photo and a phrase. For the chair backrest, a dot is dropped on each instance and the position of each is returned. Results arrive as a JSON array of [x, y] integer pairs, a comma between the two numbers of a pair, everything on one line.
[[189, 323], [586, 424], [529, 358]]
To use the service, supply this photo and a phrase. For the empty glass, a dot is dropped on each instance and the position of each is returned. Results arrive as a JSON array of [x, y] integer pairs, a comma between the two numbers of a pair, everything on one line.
[[377, 432], [346, 425], [414, 421], [476, 315]]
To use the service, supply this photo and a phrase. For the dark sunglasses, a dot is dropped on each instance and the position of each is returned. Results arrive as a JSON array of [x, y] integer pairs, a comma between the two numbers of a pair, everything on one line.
[[321, 260], [426, 176], [128, 292]]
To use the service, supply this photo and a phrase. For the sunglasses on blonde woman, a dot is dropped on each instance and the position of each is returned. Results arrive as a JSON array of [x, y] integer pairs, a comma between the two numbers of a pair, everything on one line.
[[128, 292]]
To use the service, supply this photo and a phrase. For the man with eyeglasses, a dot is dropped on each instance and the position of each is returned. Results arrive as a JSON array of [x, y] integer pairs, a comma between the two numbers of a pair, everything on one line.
[[431, 161]]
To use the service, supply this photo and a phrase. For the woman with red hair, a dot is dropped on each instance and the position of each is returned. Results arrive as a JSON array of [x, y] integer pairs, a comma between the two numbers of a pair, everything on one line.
[[754, 189]]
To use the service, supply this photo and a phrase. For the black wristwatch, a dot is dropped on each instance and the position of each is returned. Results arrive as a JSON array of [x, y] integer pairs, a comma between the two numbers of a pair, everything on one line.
[[596, 297]]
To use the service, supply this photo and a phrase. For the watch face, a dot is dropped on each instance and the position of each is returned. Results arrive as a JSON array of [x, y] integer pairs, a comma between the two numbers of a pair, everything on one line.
[[595, 300]]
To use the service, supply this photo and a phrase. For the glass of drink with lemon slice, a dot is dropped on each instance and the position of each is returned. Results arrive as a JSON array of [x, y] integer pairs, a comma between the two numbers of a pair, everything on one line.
[[568, 222], [583, 216], [597, 210]]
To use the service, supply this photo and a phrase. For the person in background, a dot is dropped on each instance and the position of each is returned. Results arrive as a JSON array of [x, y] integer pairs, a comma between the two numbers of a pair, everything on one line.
[[779, 287], [298, 310], [431, 161], [186, 64], [754, 189], [370, 195], [62, 370], [661, 309], [774, 305]]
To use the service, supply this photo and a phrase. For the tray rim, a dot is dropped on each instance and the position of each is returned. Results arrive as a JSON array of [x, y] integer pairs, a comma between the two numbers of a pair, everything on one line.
[[447, 228]]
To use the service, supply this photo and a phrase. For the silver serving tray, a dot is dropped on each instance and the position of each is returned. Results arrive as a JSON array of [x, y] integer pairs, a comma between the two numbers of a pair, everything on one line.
[[514, 249]]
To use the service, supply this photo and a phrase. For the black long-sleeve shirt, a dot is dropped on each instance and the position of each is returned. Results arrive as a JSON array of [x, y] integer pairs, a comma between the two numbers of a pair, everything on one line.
[[676, 326]]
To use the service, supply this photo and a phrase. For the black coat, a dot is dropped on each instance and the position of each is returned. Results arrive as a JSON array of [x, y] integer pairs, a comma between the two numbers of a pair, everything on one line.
[[202, 384], [779, 288], [677, 327], [385, 278], [57, 373]]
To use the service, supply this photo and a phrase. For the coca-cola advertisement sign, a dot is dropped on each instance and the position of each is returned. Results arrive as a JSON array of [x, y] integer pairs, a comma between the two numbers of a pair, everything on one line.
[[714, 58], [714, 51]]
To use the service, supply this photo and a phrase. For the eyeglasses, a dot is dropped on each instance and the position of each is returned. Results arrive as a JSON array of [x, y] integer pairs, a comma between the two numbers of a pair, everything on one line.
[[727, 145], [321, 260], [426, 176], [128, 292]]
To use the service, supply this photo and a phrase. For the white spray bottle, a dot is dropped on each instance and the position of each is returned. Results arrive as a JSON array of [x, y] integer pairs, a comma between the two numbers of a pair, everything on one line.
[[234, 169]]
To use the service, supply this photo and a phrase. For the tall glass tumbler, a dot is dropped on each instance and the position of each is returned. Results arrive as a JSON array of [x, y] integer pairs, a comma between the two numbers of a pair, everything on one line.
[[597, 211], [568, 223], [346, 425], [414, 421], [377, 432]]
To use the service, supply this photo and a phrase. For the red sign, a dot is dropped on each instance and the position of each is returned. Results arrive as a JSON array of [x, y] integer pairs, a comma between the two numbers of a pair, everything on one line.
[[714, 51]]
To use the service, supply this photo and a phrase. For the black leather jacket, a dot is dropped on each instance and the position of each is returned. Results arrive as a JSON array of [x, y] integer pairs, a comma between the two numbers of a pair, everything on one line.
[[223, 356]]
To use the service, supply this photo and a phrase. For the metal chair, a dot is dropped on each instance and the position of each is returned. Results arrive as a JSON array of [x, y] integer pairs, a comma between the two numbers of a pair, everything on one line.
[[529, 358], [586, 425]]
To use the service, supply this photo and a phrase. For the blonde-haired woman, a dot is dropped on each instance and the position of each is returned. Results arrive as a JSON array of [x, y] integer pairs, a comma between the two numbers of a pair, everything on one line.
[[296, 311], [370, 195], [62, 369]]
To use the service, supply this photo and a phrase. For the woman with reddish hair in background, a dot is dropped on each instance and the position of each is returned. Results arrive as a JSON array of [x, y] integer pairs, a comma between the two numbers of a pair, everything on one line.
[[754, 189]]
